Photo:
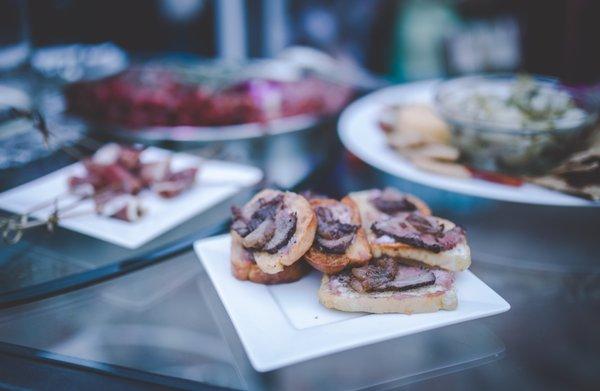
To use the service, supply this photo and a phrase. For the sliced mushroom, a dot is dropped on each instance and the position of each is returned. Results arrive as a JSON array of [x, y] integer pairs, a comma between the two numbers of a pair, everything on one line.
[[391, 201], [335, 231], [285, 226], [420, 231], [261, 235], [336, 246], [410, 282], [387, 275]]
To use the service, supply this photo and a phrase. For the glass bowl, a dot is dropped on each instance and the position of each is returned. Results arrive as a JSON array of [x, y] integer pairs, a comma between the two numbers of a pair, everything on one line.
[[514, 124]]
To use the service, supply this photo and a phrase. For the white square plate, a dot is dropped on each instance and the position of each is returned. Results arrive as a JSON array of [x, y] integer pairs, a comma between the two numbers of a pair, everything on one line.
[[221, 180], [281, 325]]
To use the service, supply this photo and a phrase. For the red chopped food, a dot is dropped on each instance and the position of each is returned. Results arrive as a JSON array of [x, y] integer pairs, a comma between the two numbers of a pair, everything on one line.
[[130, 158], [495, 177], [119, 178], [155, 96], [83, 185]]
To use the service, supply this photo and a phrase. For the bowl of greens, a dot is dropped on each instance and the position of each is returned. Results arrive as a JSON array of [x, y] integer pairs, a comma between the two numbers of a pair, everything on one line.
[[513, 123]]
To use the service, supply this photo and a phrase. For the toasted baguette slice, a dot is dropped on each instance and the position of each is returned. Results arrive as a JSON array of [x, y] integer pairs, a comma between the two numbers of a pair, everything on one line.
[[301, 240], [455, 259], [336, 293], [244, 268], [357, 254]]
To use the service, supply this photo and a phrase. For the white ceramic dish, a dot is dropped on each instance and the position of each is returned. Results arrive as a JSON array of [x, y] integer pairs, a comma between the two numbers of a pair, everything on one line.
[[206, 134], [360, 133], [284, 324], [216, 181]]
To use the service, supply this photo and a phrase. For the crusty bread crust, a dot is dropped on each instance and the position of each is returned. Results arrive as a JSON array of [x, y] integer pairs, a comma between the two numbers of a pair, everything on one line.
[[455, 259], [419, 300], [244, 269], [357, 254]]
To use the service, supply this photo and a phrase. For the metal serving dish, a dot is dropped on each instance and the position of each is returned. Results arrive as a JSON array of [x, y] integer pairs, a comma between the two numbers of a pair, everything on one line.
[[194, 135]]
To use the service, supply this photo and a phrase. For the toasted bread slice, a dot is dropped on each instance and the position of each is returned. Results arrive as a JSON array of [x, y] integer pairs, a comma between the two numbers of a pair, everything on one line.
[[301, 240], [244, 268], [357, 254], [455, 259], [415, 125], [335, 292]]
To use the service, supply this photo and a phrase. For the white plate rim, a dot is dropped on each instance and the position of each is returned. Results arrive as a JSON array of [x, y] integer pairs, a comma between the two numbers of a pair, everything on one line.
[[247, 326], [363, 112], [204, 134]]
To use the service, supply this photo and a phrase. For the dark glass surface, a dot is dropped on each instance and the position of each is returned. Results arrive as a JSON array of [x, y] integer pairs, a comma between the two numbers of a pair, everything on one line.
[[285, 159], [166, 320]]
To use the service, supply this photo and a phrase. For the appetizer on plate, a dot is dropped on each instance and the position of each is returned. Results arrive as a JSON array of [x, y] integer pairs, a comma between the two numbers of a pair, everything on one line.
[[274, 229], [381, 250], [116, 174], [419, 134], [244, 267], [388, 286], [401, 226]]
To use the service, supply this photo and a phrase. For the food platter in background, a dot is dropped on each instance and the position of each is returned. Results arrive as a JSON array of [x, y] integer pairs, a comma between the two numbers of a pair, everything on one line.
[[360, 132], [200, 102], [206, 134]]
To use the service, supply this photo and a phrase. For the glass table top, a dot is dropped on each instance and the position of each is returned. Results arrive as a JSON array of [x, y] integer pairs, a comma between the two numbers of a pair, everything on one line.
[[67, 259], [166, 319]]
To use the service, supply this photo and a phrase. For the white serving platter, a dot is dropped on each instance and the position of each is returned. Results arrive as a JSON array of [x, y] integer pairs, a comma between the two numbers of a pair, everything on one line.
[[281, 325], [216, 181], [360, 133]]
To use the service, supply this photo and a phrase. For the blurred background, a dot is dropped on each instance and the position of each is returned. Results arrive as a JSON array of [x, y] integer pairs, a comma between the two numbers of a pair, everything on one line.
[[398, 39], [55, 49], [263, 82]]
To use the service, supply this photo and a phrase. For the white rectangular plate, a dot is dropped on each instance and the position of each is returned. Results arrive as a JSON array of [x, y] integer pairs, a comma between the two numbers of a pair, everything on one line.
[[281, 325], [216, 181]]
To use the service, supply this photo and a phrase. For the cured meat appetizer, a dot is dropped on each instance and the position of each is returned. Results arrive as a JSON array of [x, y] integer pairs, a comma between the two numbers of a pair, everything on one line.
[[116, 174], [270, 234], [381, 251], [409, 231]]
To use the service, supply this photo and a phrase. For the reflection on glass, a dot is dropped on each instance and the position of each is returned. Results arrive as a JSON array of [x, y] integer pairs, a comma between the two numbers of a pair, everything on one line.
[[14, 43]]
